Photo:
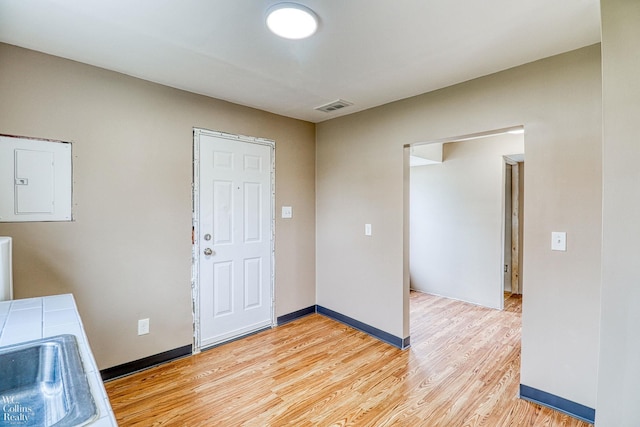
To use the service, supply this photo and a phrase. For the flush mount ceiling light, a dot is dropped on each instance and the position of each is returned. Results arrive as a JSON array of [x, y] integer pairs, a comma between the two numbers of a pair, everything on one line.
[[292, 21]]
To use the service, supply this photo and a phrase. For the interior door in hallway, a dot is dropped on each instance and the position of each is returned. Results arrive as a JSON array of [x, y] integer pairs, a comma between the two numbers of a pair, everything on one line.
[[234, 232]]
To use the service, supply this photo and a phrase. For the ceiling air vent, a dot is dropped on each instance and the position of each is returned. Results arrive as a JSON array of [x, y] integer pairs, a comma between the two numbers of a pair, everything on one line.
[[334, 106]]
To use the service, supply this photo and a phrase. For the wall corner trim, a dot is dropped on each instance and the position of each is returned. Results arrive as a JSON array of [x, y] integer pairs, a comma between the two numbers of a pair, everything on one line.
[[401, 343], [549, 400]]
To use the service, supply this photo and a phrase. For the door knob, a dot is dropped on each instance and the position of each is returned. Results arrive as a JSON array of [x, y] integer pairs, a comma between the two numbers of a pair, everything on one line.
[[208, 251]]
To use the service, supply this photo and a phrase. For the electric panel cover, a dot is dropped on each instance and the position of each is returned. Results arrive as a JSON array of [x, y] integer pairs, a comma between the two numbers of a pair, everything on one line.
[[35, 180]]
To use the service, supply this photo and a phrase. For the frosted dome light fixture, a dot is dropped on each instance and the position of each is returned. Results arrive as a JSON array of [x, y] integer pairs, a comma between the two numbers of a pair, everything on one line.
[[292, 21]]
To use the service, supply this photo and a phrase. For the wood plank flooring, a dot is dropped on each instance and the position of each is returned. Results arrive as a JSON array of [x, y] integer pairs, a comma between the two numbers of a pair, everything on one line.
[[462, 370]]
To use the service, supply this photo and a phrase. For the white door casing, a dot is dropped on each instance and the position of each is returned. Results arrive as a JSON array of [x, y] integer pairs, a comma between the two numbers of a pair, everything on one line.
[[233, 236]]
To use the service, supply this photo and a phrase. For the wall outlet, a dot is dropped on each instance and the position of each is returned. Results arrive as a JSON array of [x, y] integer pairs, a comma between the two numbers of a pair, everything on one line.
[[143, 326]]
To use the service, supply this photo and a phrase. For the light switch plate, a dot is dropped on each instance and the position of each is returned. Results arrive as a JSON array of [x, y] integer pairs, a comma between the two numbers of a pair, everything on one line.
[[558, 241], [367, 229], [287, 212]]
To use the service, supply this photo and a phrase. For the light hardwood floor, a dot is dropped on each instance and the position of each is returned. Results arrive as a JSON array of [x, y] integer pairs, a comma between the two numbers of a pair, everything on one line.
[[462, 370]]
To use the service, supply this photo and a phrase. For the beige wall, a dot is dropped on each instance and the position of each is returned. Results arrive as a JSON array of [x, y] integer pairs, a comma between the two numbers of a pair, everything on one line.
[[458, 222], [127, 255], [619, 376], [361, 176]]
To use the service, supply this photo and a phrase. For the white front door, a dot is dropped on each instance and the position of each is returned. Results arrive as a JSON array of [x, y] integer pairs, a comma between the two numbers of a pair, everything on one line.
[[233, 232]]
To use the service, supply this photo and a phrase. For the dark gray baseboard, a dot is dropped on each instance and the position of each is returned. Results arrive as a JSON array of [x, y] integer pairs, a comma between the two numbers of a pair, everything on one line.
[[395, 341], [167, 356], [574, 409], [281, 320], [145, 363], [401, 343]]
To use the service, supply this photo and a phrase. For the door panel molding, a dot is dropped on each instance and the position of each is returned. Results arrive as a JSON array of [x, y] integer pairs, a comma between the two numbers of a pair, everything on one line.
[[250, 163]]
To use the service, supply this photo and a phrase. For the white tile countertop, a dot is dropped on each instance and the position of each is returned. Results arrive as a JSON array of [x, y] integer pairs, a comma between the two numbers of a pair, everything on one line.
[[36, 318]]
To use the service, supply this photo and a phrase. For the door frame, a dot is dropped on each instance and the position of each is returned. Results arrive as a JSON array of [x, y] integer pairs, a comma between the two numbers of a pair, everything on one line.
[[499, 288], [195, 224], [515, 214]]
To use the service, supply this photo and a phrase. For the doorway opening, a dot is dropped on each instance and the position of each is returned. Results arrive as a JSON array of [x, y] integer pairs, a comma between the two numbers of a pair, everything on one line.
[[457, 216]]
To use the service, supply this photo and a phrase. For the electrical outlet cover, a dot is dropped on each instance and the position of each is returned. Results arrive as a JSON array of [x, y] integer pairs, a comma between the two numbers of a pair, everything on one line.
[[143, 326]]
